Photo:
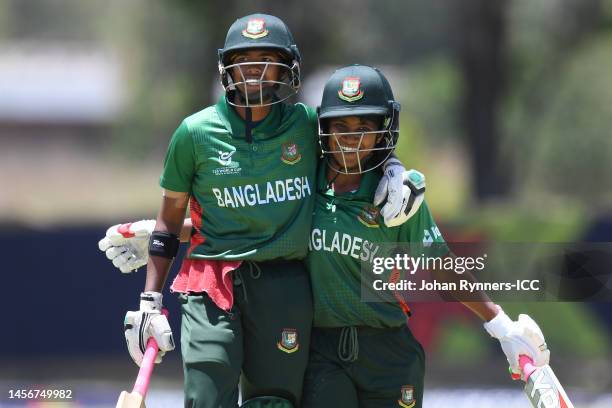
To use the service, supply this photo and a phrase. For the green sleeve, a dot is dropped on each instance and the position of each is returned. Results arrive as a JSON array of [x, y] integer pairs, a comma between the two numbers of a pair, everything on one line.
[[422, 229], [179, 164], [312, 115], [314, 123]]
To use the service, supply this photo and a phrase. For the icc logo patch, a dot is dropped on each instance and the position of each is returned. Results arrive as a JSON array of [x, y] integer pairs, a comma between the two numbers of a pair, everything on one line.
[[351, 90], [407, 400], [256, 28], [228, 164], [290, 153], [289, 341], [369, 216]]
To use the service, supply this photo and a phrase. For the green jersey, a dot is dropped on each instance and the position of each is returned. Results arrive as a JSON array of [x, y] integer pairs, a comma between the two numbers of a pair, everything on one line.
[[347, 230], [249, 199]]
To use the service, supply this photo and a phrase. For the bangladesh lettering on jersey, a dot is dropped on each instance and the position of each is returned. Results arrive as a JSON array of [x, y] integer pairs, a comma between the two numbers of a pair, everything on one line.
[[343, 244], [249, 199], [346, 232], [255, 194]]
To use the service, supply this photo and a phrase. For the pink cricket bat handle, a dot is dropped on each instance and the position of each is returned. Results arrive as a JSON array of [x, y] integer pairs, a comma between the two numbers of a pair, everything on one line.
[[527, 367], [146, 367]]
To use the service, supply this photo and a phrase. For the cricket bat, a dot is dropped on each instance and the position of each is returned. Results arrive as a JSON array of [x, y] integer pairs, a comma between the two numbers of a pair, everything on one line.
[[136, 398], [542, 387]]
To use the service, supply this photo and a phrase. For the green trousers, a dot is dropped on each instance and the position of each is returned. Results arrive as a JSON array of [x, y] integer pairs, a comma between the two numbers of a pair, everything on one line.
[[262, 343], [364, 368]]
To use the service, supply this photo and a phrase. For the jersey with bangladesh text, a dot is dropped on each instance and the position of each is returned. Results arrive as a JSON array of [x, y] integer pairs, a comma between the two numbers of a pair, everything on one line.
[[348, 230], [249, 200]]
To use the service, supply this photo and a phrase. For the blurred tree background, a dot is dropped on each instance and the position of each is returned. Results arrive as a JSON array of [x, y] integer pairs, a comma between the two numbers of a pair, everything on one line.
[[516, 92], [506, 104]]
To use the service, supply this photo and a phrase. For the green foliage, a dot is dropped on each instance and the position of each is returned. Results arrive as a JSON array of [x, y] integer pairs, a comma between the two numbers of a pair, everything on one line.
[[573, 148], [568, 327], [461, 342], [513, 223], [430, 98]]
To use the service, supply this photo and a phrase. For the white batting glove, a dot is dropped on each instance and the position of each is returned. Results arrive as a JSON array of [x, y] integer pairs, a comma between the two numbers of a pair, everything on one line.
[[146, 323], [404, 190], [127, 245], [519, 337]]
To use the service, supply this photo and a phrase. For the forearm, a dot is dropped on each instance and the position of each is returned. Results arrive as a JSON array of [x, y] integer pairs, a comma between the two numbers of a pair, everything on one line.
[[157, 272], [170, 219], [486, 310], [477, 301]]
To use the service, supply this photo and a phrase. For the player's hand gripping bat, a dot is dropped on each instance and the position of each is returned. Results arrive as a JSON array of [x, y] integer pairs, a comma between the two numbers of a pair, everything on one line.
[[136, 398], [542, 387]]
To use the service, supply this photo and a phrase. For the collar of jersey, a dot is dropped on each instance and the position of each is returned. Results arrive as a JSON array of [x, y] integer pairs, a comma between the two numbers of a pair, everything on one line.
[[367, 187], [236, 125]]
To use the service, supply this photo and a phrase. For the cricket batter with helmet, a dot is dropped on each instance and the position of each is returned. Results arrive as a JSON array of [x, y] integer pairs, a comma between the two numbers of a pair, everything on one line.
[[363, 354], [247, 168]]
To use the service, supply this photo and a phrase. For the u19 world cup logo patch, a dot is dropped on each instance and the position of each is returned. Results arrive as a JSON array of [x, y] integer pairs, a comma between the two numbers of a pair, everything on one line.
[[290, 153], [256, 28], [369, 216], [407, 397], [351, 89], [289, 341]]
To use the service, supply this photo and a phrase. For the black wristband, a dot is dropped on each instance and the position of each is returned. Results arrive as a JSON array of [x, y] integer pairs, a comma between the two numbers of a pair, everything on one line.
[[163, 244]]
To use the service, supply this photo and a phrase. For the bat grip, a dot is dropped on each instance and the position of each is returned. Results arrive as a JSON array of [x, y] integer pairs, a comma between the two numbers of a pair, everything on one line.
[[146, 367], [526, 365]]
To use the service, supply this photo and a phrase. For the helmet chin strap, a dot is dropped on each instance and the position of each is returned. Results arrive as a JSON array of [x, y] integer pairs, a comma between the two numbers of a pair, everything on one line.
[[248, 126]]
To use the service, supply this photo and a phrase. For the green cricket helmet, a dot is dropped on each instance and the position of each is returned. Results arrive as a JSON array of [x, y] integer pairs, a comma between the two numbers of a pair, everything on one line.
[[358, 90], [248, 79]]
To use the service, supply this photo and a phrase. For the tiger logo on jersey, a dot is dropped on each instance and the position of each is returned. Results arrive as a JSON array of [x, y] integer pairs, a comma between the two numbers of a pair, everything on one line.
[[256, 28], [289, 341], [407, 400], [351, 90], [290, 153], [369, 216]]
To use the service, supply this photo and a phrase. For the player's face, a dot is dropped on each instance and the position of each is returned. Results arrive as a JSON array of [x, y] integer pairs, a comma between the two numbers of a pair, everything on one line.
[[351, 149], [257, 69]]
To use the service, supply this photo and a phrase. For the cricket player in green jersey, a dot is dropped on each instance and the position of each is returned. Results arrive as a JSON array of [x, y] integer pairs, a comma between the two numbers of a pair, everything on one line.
[[363, 354], [246, 167]]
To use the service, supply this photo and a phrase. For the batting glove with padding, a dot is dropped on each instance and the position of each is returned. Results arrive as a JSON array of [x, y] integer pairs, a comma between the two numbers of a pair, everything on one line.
[[127, 244], [523, 336], [404, 190], [148, 322]]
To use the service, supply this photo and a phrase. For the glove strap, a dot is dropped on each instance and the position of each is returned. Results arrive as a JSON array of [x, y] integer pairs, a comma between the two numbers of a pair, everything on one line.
[[416, 181], [151, 302]]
